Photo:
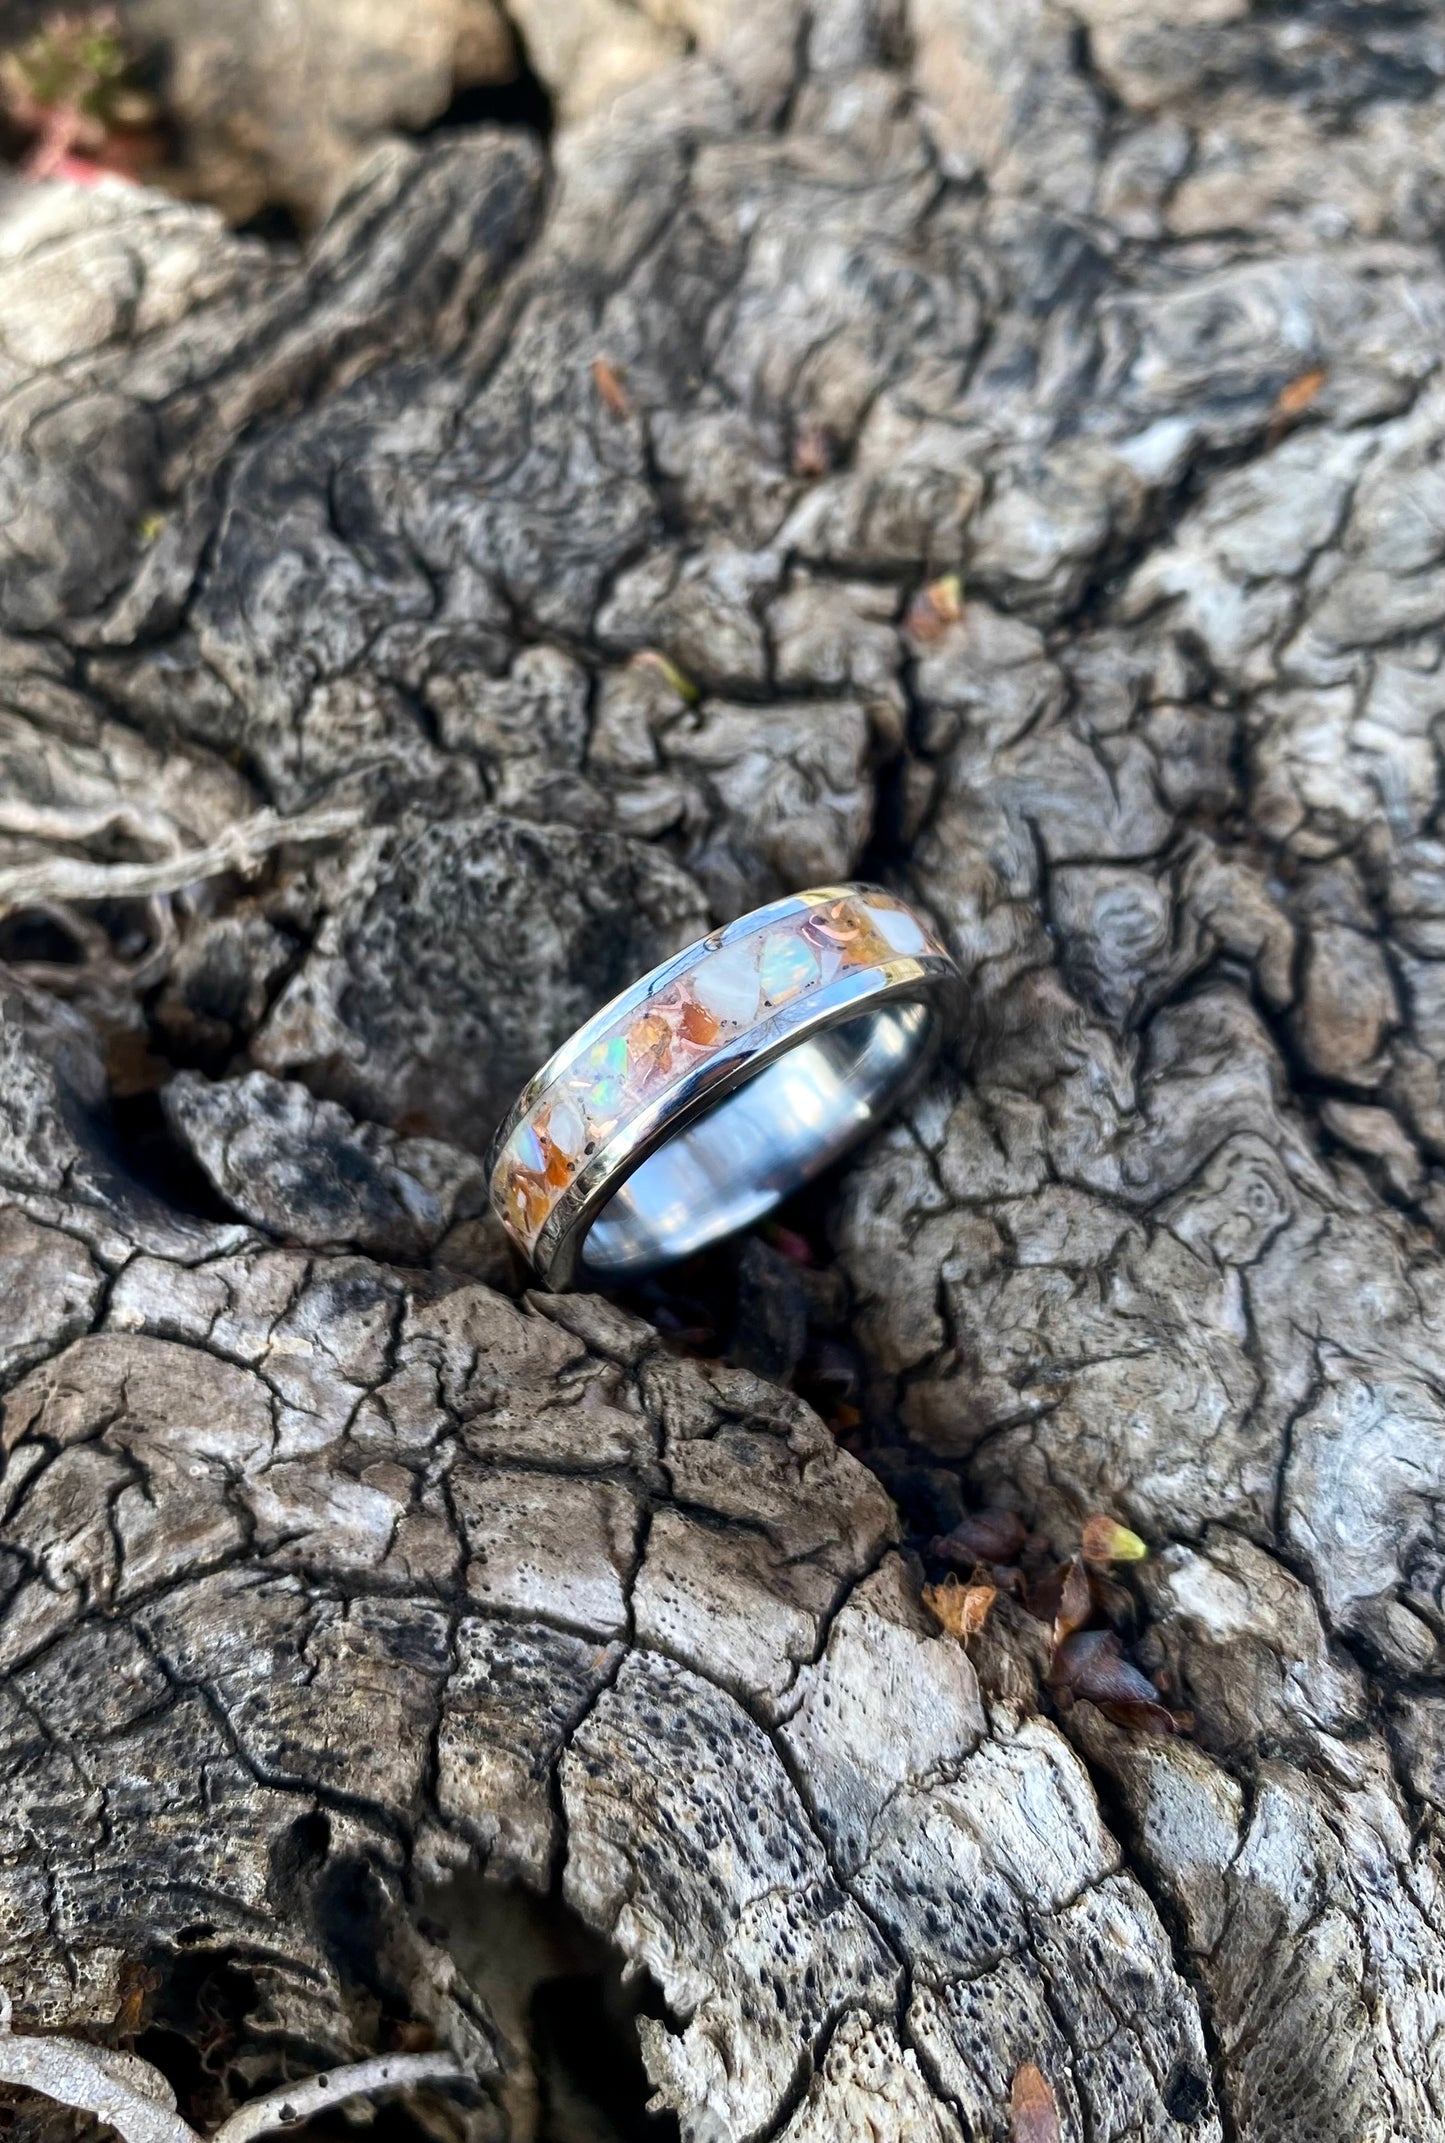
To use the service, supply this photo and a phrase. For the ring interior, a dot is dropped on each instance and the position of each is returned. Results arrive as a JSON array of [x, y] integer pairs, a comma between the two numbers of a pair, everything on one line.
[[747, 1154]]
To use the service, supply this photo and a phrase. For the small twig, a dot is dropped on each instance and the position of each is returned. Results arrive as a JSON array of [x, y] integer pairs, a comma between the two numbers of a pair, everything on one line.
[[241, 848], [133, 2097], [89, 822], [119, 2089], [386, 2072]]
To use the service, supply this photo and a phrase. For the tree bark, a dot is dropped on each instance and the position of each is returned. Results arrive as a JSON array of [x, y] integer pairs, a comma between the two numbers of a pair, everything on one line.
[[994, 448]]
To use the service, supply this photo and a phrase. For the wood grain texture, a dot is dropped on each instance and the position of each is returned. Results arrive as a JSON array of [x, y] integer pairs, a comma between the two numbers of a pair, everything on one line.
[[334, 1569]]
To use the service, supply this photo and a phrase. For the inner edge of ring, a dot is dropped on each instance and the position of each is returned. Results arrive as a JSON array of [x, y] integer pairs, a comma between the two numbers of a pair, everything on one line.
[[905, 1026], [559, 1250]]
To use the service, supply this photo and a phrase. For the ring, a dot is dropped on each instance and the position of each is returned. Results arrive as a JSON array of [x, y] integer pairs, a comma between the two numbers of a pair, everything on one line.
[[702, 1096]]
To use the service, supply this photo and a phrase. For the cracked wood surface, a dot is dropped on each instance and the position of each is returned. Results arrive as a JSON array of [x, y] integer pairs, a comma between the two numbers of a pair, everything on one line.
[[555, 536]]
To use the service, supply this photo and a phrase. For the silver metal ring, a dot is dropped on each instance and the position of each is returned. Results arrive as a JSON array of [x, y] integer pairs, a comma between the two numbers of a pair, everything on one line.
[[698, 1099]]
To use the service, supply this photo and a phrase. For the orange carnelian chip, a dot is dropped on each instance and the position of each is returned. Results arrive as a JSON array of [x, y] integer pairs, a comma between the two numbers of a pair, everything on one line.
[[853, 931], [837, 922], [528, 1200], [698, 1025], [649, 1042]]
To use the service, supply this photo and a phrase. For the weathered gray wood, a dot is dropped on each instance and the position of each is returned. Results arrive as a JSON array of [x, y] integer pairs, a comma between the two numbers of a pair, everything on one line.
[[333, 1571]]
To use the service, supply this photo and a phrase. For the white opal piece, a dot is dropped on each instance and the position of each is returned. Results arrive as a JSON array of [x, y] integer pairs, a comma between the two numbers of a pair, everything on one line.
[[526, 1148], [899, 928], [566, 1127], [726, 983]]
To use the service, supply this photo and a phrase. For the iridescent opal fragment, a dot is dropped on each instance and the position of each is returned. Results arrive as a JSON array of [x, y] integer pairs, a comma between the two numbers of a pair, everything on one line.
[[600, 1077], [787, 963], [530, 1151]]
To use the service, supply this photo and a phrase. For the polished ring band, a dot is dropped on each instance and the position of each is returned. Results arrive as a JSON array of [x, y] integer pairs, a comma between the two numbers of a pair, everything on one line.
[[698, 1099]]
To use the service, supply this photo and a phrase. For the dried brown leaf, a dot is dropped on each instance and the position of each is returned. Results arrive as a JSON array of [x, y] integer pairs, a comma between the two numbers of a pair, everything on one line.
[[1107, 1541], [1091, 1665], [1149, 1718], [1043, 1596], [934, 607], [1293, 400], [1113, 1602], [137, 1983], [962, 1609], [981, 1537], [946, 596], [610, 387], [1033, 2109], [812, 451], [1076, 1601]]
